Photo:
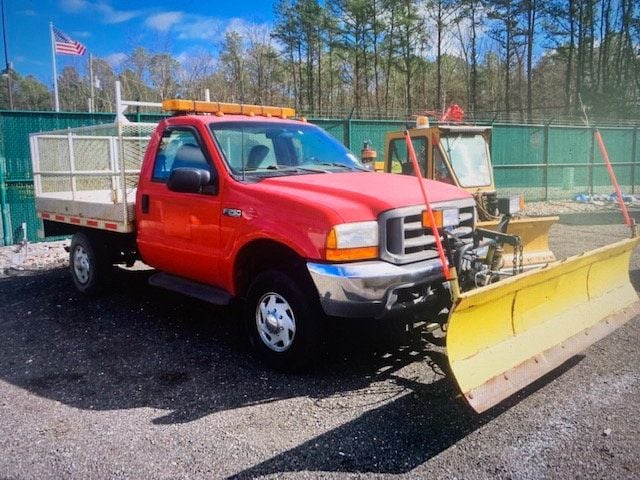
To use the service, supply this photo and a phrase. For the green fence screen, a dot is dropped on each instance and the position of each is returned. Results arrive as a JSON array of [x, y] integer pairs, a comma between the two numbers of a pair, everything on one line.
[[542, 162]]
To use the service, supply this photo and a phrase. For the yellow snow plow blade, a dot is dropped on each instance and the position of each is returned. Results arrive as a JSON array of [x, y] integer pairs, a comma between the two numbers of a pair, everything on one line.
[[534, 233], [504, 336]]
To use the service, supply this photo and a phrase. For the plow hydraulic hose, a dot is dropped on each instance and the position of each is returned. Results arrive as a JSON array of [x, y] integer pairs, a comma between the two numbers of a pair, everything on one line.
[[436, 234]]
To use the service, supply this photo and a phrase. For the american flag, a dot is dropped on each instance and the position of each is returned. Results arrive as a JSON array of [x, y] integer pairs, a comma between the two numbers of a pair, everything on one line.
[[66, 45]]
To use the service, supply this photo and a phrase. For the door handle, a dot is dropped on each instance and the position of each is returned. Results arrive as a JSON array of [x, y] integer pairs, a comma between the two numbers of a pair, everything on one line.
[[145, 203]]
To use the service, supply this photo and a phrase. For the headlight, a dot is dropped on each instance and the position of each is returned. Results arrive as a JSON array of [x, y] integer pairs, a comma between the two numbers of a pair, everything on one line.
[[446, 217], [353, 241]]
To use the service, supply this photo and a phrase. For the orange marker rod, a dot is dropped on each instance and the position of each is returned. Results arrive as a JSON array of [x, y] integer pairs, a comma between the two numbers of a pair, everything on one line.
[[612, 176], [416, 169]]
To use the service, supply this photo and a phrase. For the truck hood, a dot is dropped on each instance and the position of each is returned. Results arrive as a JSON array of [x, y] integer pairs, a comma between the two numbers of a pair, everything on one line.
[[358, 196]]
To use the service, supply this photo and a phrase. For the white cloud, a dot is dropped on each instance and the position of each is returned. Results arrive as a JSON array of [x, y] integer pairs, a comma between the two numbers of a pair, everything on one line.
[[185, 26], [116, 59], [198, 27], [243, 26], [163, 21], [82, 34], [106, 13], [183, 57], [73, 6], [111, 15], [196, 58]]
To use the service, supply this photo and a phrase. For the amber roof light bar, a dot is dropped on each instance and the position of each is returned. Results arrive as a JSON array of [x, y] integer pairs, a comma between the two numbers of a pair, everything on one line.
[[219, 108]]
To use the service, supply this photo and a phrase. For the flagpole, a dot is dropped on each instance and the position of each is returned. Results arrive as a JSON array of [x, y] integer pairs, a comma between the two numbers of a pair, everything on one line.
[[55, 70], [93, 107], [7, 70]]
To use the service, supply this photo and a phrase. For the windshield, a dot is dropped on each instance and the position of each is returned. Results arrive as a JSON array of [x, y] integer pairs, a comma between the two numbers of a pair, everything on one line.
[[469, 156], [260, 149]]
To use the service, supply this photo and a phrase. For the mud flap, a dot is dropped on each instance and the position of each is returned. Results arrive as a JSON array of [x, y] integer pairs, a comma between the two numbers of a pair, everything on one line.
[[534, 233], [504, 336]]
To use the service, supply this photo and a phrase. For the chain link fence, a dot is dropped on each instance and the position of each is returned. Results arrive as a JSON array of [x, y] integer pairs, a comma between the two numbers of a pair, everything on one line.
[[541, 162]]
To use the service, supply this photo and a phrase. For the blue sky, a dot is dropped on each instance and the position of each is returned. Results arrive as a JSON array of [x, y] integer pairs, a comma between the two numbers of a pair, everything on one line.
[[110, 29]]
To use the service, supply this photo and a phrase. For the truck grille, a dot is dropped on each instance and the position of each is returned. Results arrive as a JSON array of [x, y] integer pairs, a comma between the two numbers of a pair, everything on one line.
[[404, 240]]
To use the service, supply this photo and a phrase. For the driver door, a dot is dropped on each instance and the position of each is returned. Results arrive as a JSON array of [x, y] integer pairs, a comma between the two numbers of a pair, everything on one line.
[[180, 232]]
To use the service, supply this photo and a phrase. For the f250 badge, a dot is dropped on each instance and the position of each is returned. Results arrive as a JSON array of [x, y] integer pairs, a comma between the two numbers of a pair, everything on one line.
[[232, 212]]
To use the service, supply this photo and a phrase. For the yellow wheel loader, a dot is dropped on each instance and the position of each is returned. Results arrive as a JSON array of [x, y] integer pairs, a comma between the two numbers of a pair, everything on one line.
[[460, 155], [505, 330]]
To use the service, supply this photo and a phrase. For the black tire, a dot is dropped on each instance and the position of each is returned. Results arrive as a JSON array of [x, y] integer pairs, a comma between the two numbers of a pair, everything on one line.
[[89, 264], [438, 337], [291, 301]]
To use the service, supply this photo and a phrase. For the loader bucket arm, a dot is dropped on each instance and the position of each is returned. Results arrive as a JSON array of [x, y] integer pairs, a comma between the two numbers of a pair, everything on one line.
[[504, 336]]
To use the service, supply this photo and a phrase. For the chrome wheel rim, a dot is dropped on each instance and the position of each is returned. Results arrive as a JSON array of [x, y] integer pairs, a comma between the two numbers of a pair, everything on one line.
[[275, 322], [81, 266]]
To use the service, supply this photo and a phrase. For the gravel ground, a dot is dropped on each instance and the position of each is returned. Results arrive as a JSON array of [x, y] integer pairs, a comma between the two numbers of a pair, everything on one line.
[[563, 207], [32, 257], [141, 383]]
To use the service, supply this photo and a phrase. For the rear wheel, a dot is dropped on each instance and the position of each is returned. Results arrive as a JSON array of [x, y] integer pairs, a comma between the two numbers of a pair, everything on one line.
[[88, 263], [283, 319]]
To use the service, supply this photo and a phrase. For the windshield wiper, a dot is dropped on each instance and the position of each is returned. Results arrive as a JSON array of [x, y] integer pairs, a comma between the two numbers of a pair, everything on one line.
[[294, 169], [313, 170], [342, 165], [277, 170]]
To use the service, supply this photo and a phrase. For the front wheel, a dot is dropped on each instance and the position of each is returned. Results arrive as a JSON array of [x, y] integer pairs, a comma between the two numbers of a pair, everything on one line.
[[283, 319]]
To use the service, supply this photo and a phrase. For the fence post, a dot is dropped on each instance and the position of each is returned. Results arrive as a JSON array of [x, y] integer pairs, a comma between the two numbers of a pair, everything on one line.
[[545, 153], [4, 206], [592, 160], [347, 129], [347, 133], [634, 159]]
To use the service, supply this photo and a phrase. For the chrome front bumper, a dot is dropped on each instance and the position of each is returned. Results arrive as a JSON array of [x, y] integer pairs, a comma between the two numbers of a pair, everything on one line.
[[374, 288]]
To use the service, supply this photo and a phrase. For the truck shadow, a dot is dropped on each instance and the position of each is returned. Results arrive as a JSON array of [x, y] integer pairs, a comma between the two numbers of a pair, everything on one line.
[[634, 277], [396, 437], [142, 347]]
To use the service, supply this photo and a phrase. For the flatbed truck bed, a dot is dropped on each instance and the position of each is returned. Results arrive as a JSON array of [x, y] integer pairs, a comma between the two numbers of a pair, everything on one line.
[[88, 176]]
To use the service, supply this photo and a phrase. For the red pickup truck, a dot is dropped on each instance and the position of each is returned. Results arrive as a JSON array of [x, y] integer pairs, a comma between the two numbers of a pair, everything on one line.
[[240, 202], [252, 206]]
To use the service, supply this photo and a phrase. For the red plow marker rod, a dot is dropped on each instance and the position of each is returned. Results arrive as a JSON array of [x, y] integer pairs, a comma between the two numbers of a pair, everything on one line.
[[416, 169], [612, 176]]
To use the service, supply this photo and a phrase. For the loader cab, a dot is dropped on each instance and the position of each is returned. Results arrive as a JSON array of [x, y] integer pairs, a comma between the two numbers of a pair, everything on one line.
[[466, 152], [458, 155]]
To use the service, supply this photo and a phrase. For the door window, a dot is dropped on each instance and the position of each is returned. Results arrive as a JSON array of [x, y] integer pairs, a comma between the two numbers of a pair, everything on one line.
[[399, 161], [441, 171], [178, 149]]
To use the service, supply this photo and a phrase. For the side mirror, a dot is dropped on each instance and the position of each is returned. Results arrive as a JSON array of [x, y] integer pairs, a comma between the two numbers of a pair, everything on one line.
[[189, 180]]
